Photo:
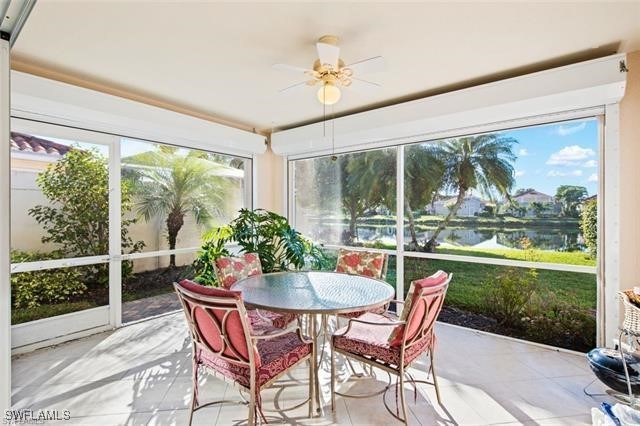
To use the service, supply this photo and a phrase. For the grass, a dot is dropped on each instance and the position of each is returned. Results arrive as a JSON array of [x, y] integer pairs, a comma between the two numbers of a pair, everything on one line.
[[469, 287], [545, 256], [19, 316], [469, 290]]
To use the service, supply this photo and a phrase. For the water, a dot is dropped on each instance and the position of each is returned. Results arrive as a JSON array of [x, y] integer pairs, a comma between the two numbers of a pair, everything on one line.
[[541, 238]]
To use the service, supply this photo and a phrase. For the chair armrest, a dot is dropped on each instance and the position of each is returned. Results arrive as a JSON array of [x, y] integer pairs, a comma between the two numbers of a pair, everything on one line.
[[296, 330], [383, 324], [271, 335], [396, 301]]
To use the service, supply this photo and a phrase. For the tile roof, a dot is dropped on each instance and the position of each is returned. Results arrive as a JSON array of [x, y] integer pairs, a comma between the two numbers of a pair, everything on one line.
[[531, 192], [27, 143]]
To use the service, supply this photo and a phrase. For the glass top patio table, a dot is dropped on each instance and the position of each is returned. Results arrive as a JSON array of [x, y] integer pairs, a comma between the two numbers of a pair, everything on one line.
[[314, 292]]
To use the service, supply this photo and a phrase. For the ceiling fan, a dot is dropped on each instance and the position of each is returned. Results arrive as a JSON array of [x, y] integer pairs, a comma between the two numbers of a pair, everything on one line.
[[330, 72]]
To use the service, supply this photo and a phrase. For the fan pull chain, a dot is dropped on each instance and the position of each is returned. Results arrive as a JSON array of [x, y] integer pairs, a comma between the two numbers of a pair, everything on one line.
[[333, 135]]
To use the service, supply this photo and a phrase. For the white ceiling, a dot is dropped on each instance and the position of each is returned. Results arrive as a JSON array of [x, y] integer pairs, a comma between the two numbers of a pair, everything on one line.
[[216, 58]]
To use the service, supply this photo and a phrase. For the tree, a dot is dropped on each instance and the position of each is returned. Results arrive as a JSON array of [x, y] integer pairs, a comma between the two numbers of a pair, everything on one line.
[[354, 198], [589, 225], [77, 217], [570, 197], [539, 208], [423, 177], [171, 185], [480, 162]]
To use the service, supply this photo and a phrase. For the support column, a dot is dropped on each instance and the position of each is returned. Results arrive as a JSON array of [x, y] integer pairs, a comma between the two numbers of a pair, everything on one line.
[[5, 226], [400, 223]]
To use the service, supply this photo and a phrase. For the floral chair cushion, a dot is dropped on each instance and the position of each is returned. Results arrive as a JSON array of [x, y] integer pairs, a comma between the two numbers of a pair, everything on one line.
[[373, 341], [364, 263], [276, 355], [230, 270], [260, 318], [395, 338]]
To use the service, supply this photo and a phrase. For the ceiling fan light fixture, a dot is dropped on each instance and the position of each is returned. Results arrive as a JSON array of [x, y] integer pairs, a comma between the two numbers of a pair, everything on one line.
[[329, 94]]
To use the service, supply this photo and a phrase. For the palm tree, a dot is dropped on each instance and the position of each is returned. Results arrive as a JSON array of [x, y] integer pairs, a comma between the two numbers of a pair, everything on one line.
[[483, 163], [171, 185], [423, 173]]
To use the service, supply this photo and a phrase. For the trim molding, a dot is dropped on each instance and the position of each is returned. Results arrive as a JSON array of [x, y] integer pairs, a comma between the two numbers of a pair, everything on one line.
[[28, 67], [547, 93]]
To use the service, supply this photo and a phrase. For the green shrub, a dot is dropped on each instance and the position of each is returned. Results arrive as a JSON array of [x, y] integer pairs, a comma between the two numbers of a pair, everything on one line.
[[279, 246], [557, 322], [76, 217], [508, 294], [32, 289], [589, 225]]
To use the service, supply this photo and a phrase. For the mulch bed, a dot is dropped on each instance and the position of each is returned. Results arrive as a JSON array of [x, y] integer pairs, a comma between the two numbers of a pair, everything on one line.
[[480, 322], [457, 316], [155, 281]]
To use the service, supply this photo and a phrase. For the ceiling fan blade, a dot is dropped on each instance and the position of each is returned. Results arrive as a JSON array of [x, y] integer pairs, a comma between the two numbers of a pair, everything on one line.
[[368, 66], [293, 88], [328, 54], [292, 68], [359, 85]]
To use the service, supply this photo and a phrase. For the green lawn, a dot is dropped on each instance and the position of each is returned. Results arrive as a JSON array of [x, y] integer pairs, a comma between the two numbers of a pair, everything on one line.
[[468, 288], [19, 316], [545, 256]]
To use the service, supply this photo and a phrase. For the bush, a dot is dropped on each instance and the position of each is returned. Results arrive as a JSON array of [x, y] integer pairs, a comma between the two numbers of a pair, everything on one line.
[[279, 246], [589, 225], [76, 218], [32, 289], [559, 323], [509, 293]]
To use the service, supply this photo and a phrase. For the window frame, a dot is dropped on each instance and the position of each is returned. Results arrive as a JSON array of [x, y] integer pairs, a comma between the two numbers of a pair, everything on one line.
[[598, 113], [31, 334]]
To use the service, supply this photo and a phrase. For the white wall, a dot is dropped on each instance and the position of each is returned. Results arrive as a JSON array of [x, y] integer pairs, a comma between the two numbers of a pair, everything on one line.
[[269, 182]]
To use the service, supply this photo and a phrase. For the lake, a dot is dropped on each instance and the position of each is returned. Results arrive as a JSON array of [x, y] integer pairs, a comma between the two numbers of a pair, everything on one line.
[[541, 238]]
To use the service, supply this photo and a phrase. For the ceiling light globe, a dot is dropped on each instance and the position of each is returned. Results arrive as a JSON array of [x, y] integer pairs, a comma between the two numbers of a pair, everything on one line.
[[329, 94]]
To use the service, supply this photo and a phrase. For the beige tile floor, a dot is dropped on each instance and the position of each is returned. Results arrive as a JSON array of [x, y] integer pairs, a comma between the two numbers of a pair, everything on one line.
[[140, 375]]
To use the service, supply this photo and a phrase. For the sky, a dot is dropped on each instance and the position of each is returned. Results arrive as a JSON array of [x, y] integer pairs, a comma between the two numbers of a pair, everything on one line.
[[557, 154]]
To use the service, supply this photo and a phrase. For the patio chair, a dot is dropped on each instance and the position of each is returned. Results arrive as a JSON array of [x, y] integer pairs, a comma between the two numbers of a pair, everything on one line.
[[391, 343], [230, 270], [365, 263], [224, 346]]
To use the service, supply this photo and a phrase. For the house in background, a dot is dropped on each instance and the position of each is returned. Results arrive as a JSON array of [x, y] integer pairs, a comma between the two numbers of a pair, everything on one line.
[[30, 155], [527, 199], [471, 206]]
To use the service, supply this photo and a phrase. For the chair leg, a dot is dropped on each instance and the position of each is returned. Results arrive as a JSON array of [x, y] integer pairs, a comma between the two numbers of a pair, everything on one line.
[[311, 385], [435, 376], [251, 418], [194, 392], [333, 379], [403, 402]]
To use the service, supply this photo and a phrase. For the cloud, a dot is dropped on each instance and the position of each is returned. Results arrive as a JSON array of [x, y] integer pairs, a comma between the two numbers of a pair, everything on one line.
[[557, 173], [522, 152], [593, 178], [520, 173], [566, 130], [591, 164], [570, 156]]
